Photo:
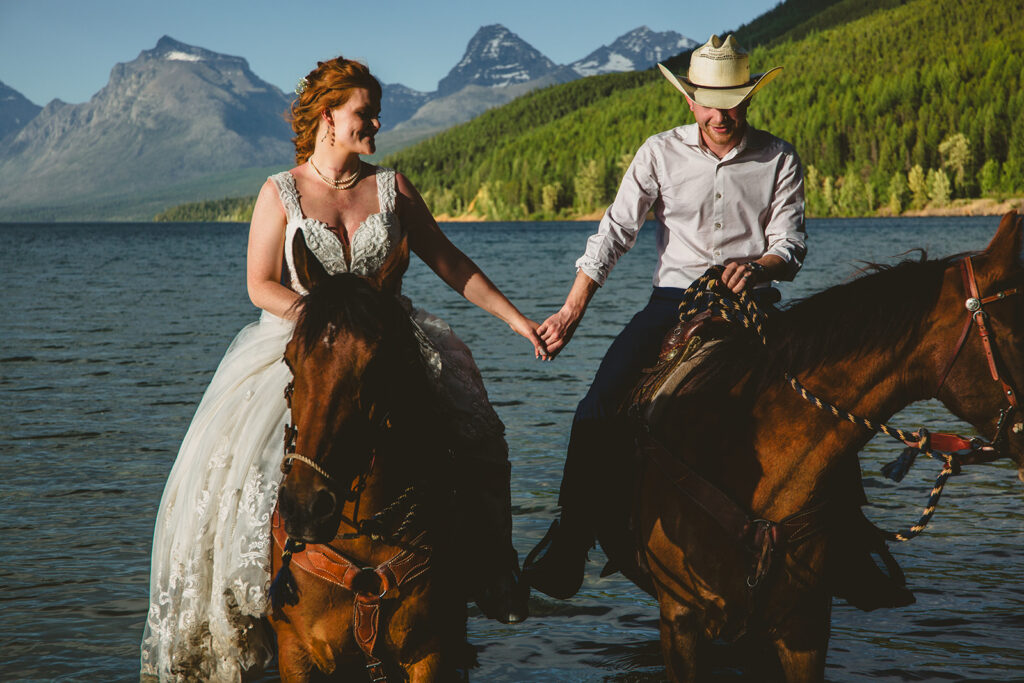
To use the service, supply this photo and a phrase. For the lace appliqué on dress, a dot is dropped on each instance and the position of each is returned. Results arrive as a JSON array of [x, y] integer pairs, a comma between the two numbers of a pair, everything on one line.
[[325, 246], [372, 242], [211, 548]]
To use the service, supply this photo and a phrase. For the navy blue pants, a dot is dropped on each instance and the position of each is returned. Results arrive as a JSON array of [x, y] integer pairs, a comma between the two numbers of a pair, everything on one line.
[[599, 435]]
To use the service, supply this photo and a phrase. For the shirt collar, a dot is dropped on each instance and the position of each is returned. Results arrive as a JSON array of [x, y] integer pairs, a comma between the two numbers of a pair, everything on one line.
[[690, 135]]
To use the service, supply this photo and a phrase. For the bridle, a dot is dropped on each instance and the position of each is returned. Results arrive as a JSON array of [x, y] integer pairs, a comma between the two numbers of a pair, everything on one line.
[[952, 449], [291, 433], [977, 316]]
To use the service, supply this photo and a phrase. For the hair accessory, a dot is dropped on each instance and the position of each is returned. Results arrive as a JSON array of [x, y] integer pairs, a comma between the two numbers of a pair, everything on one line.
[[301, 86]]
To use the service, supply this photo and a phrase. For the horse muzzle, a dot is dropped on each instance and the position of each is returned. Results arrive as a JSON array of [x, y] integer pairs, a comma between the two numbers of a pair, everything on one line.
[[310, 518]]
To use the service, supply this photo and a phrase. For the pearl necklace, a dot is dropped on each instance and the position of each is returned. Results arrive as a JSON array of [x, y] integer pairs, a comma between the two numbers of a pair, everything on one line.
[[344, 183]]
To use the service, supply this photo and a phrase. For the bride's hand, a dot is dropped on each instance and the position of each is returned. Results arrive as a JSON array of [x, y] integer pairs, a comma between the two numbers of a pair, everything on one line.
[[528, 329]]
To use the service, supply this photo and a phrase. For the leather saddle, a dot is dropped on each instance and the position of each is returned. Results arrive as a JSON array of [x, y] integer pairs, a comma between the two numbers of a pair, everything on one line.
[[682, 350]]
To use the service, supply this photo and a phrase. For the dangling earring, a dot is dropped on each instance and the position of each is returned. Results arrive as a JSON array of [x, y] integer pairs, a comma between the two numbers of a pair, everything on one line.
[[330, 128]]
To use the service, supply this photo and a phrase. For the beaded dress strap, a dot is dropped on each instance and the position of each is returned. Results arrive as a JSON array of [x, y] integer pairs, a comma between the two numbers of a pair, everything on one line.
[[285, 183], [386, 190]]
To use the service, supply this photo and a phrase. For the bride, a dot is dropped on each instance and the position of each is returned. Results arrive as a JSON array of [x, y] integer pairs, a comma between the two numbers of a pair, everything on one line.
[[211, 545]]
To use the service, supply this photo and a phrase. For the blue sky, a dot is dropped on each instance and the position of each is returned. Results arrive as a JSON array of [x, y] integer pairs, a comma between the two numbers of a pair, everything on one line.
[[66, 48]]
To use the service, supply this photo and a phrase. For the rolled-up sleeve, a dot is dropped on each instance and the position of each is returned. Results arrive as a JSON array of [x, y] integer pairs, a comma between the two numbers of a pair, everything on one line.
[[622, 221], [785, 231]]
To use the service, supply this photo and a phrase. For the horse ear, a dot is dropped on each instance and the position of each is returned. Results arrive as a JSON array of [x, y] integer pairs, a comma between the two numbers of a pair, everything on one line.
[[308, 269], [1006, 245]]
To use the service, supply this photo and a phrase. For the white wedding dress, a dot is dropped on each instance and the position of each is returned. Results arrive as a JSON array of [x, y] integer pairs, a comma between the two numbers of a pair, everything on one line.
[[211, 546]]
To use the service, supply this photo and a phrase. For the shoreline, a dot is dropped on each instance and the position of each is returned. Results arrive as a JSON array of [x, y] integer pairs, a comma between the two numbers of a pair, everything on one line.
[[985, 206]]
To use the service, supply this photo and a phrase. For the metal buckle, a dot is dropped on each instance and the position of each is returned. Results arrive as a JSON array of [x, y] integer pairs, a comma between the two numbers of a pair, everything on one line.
[[375, 670], [367, 577]]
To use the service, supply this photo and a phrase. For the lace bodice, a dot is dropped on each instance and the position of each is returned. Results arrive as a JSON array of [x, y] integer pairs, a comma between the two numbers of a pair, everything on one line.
[[378, 248]]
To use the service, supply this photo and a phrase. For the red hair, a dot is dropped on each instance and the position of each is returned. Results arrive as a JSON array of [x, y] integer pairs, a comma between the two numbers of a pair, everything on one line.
[[329, 85]]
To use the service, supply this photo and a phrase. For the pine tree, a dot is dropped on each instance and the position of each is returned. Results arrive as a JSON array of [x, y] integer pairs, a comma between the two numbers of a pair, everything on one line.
[[988, 178], [550, 198], [955, 151], [589, 185], [828, 200], [938, 187], [897, 193], [918, 187]]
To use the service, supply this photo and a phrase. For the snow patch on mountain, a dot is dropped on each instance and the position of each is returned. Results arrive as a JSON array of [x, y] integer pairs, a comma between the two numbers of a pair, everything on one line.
[[178, 56], [639, 49]]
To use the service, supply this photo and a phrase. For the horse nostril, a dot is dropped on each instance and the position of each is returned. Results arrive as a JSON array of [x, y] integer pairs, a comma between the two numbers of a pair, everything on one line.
[[323, 505]]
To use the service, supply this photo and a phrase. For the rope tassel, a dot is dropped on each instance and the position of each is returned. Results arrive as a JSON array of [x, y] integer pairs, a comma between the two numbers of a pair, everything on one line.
[[283, 589], [899, 467]]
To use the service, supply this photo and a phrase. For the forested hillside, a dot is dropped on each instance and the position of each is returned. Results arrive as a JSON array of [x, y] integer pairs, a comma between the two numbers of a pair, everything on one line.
[[913, 103], [904, 107]]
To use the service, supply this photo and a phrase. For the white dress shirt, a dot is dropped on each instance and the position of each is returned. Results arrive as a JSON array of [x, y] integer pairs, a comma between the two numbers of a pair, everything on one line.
[[710, 211]]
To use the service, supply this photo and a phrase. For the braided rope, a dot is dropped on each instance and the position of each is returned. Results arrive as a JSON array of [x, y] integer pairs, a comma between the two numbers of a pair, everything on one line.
[[289, 457], [710, 294], [374, 525]]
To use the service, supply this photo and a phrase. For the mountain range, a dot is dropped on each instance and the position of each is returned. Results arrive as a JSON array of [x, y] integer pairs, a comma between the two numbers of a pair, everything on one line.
[[183, 123], [499, 66]]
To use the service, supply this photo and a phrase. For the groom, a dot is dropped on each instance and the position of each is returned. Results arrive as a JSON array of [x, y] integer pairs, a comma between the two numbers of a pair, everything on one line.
[[723, 193]]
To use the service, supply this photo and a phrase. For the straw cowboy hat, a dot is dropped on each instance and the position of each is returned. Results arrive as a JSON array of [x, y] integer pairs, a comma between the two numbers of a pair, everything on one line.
[[719, 75]]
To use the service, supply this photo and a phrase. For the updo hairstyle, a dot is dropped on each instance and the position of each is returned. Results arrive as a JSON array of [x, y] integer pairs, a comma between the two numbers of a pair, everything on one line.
[[329, 85]]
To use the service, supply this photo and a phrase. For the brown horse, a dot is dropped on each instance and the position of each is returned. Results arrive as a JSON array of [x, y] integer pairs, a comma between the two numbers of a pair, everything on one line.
[[367, 591], [720, 562]]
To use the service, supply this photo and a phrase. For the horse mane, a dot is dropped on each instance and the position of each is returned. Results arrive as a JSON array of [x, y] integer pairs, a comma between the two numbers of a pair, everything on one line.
[[881, 310]]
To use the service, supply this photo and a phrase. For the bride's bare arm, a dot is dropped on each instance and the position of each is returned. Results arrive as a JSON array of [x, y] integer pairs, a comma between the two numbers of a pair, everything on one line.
[[265, 253], [455, 268]]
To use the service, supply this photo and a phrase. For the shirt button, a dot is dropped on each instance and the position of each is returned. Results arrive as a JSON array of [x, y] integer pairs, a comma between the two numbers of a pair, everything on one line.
[[718, 226], [718, 195], [718, 252]]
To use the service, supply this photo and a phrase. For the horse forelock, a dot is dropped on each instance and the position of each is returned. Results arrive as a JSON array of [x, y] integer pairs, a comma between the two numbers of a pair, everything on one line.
[[394, 380], [881, 310], [346, 305]]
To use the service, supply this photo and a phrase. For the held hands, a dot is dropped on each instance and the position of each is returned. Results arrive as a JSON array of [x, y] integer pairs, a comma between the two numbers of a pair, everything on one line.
[[557, 330], [528, 329]]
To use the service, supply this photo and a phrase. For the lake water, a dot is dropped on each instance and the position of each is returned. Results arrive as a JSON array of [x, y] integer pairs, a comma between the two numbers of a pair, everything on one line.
[[112, 331]]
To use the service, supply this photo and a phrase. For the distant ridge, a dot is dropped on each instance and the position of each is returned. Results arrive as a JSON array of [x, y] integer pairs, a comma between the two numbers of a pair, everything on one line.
[[637, 50], [15, 110], [496, 58], [184, 123], [175, 114], [499, 66]]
